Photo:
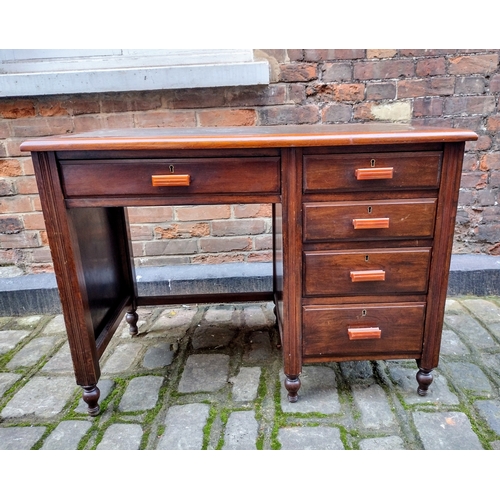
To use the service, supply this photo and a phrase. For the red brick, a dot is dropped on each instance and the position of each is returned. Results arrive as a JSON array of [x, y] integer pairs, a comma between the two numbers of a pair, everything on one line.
[[7, 187], [282, 115], [165, 118], [384, 90], [470, 105], [363, 111], [433, 121], [27, 166], [295, 54], [141, 232], [182, 230], [217, 258], [298, 72], [490, 161], [12, 147], [170, 247], [26, 185], [263, 242], [470, 85], [471, 163], [463, 65], [10, 168], [474, 122], [297, 93], [473, 180], [16, 108], [428, 106], [482, 144], [35, 201], [133, 101], [495, 84], [117, 121], [11, 224], [336, 113], [238, 227], [86, 123], [431, 67], [380, 53], [336, 72], [141, 215], [194, 98], [8, 257], [251, 96], [34, 220], [227, 117], [331, 54], [203, 212], [4, 129], [15, 204], [39, 126], [337, 92], [374, 70], [53, 108], [493, 123], [426, 52], [426, 87], [252, 210], [216, 245], [260, 257], [279, 54], [26, 239], [84, 105]]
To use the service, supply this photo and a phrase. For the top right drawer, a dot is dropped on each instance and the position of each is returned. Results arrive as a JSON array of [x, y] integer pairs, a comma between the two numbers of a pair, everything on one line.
[[373, 172]]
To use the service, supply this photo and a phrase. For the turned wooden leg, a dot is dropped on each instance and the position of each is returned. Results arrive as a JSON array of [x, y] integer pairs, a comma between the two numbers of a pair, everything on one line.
[[424, 379], [91, 395], [292, 385], [131, 318]]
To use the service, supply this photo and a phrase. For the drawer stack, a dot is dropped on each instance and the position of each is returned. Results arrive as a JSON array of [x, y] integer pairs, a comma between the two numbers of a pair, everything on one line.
[[367, 239]]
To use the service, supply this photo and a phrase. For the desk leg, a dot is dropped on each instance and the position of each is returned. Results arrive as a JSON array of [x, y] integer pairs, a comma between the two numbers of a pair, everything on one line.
[[91, 395], [131, 318]]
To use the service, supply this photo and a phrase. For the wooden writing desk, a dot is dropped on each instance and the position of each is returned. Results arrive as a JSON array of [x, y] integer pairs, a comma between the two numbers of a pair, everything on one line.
[[363, 222]]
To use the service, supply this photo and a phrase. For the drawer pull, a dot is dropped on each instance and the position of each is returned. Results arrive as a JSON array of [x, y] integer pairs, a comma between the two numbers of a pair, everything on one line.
[[382, 223], [171, 180], [364, 333], [372, 174], [376, 275]]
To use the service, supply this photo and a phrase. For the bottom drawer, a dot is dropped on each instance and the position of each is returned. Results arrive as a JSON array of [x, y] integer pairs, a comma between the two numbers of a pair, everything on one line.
[[363, 330]]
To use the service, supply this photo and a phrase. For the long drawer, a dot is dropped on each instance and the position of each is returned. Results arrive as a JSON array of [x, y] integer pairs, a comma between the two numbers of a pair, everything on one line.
[[366, 272], [369, 220], [368, 330], [371, 172], [170, 177]]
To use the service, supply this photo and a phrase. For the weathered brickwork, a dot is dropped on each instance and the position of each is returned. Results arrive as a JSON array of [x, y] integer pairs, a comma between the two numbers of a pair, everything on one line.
[[441, 87]]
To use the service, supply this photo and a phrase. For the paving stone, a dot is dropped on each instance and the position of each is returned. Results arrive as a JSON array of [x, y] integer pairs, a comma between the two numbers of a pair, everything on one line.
[[258, 348], [184, 427], [254, 318], [404, 378], [158, 356], [485, 310], [60, 362], [355, 372], [28, 321], [19, 438], [32, 352], [318, 392], [55, 326], [490, 412], [246, 383], [121, 437], [471, 331], [219, 314], [446, 431], [4, 320], [374, 407], [241, 431], [105, 386], [451, 345], [42, 397], [122, 358], [67, 435], [173, 324], [452, 306], [141, 393], [310, 438], [213, 336], [10, 338], [495, 445], [204, 373], [469, 377], [7, 380], [382, 443], [492, 361]]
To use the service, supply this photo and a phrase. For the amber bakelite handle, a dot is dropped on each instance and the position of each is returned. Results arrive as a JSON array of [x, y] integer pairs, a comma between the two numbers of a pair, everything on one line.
[[170, 180], [381, 223], [375, 275], [364, 333], [372, 174]]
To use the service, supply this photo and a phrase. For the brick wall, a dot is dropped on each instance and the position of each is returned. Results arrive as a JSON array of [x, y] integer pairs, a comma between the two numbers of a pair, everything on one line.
[[457, 88]]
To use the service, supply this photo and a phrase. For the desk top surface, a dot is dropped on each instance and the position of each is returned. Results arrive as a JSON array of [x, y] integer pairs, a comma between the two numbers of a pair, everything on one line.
[[248, 137]]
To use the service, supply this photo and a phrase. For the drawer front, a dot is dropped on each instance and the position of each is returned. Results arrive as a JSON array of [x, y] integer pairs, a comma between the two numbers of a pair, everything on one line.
[[371, 172], [171, 177], [369, 220], [366, 272], [371, 329]]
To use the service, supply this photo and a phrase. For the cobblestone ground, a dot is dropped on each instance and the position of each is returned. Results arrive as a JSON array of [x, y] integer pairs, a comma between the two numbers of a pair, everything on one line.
[[210, 377]]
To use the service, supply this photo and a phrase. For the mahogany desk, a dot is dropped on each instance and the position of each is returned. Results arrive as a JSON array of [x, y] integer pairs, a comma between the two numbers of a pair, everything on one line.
[[363, 223]]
